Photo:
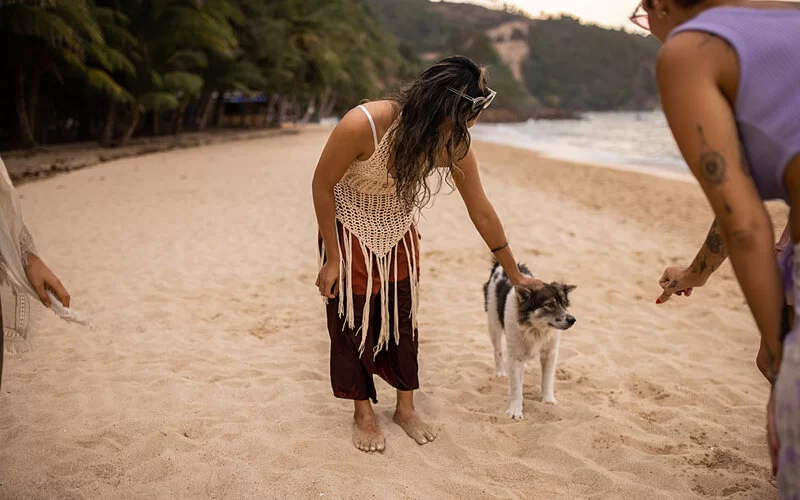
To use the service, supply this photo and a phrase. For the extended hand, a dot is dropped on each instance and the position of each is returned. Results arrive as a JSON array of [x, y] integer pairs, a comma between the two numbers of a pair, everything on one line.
[[43, 279], [676, 280]]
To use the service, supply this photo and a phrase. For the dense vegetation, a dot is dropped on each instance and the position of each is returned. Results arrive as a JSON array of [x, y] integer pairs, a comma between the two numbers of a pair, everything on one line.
[[109, 70], [590, 68], [570, 65]]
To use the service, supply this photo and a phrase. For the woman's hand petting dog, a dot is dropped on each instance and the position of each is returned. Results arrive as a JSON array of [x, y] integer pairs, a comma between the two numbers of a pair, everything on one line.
[[529, 282], [327, 279]]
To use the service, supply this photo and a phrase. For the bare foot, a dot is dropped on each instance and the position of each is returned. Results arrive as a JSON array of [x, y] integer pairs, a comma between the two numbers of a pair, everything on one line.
[[366, 435], [418, 430]]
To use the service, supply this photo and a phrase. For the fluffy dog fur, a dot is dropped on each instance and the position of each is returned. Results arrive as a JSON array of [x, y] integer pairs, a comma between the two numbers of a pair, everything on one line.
[[532, 320]]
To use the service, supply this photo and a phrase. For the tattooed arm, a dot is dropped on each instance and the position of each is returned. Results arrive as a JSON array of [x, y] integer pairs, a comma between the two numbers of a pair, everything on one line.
[[691, 81], [683, 280]]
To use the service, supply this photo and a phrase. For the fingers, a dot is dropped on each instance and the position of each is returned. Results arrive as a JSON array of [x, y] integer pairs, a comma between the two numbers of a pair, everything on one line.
[[664, 281], [333, 289], [664, 297], [772, 435], [41, 291], [60, 292], [328, 288]]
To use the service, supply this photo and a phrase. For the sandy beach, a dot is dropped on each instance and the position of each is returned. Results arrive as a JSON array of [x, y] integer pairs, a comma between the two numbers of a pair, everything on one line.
[[206, 372]]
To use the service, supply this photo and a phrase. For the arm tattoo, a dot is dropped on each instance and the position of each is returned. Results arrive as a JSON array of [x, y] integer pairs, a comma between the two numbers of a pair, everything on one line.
[[714, 241], [712, 164]]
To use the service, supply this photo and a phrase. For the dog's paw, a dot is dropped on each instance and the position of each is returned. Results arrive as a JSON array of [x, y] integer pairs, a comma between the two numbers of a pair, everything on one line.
[[549, 400], [515, 412], [500, 373]]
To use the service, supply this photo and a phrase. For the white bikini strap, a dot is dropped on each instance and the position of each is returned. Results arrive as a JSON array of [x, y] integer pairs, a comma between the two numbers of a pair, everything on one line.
[[371, 124]]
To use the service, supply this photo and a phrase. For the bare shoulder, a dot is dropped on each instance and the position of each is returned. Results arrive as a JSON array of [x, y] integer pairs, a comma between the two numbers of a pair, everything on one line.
[[683, 51], [384, 113], [700, 56], [355, 129]]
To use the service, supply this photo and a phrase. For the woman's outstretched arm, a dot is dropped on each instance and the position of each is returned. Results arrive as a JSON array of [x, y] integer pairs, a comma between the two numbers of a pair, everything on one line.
[[704, 127], [485, 219], [684, 279]]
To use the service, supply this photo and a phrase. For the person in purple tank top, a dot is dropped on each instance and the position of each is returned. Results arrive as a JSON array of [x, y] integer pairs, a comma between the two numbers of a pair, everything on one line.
[[729, 80]]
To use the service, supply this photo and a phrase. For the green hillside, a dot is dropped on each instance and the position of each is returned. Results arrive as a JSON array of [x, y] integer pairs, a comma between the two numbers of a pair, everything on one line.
[[570, 65]]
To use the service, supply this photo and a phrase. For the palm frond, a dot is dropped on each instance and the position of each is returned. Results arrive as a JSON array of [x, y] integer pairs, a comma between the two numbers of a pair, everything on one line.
[[190, 83], [107, 16], [188, 59], [103, 82], [119, 37], [77, 14], [158, 100], [50, 28]]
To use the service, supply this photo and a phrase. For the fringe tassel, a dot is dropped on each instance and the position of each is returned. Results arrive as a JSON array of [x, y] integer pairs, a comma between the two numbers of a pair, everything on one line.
[[365, 316], [341, 271], [350, 315], [396, 312], [387, 267], [414, 281]]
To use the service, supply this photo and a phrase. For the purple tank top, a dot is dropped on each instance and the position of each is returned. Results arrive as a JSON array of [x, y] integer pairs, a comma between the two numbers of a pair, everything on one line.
[[767, 107]]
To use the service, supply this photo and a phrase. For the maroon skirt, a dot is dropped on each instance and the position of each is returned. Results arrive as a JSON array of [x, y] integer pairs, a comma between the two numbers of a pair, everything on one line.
[[352, 373]]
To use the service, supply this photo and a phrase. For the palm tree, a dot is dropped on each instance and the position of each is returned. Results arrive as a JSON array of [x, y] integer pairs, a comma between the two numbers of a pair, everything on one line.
[[51, 37], [174, 36]]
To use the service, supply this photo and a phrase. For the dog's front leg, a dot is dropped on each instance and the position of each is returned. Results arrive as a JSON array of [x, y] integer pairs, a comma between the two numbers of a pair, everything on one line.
[[516, 374], [549, 357]]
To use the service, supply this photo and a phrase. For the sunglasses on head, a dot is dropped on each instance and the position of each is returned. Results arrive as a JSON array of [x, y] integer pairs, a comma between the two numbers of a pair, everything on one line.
[[478, 103], [639, 17]]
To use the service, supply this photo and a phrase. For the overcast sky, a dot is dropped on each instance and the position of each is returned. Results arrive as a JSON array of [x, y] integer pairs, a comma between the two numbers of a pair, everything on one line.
[[610, 13]]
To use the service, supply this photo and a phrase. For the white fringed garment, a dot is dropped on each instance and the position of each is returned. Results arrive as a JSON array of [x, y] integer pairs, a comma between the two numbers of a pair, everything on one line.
[[368, 208]]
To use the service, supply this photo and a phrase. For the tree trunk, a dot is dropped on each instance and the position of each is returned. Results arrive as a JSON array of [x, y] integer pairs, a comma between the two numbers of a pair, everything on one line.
[[156, 122], [221, 110], [310, 109], [282, 105], [177, 127], [294, 108], [107, 140], [25, 131], [33, 99], [271, 110], [205, 110], [327, 110], [137, 114]]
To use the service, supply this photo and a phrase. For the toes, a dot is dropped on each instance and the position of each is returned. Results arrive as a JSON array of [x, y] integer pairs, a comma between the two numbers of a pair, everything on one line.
[[429, 434], [380, 446]]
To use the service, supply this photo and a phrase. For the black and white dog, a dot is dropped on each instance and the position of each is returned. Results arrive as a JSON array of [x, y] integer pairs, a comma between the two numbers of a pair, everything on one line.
[[532, 320]]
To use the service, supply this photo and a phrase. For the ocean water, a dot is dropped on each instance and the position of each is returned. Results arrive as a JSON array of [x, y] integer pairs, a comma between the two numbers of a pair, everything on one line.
[[628, 140]]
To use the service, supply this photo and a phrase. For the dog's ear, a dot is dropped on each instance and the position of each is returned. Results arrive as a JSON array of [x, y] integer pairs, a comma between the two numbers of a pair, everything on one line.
[[523, 292], [568, 288]]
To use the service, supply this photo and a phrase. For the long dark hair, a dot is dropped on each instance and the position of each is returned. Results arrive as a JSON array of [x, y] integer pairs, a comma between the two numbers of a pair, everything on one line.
[[432, 128]]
